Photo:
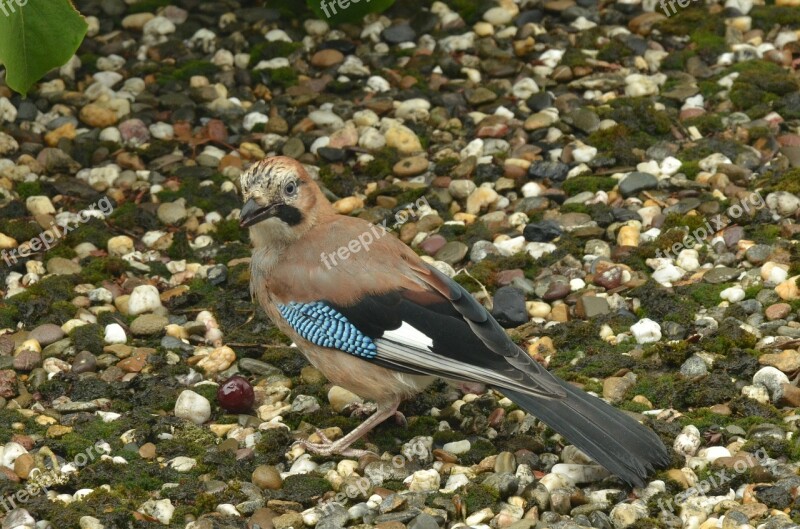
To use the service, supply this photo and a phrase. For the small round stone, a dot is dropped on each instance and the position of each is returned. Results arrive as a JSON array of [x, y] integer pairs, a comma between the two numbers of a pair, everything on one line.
[[267, 477]]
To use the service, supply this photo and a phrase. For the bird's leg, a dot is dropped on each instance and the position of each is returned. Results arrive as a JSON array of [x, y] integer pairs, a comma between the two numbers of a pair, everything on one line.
[[342, 446], [365, 409]]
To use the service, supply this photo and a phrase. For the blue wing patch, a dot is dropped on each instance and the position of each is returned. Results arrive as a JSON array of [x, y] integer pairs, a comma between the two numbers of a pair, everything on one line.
[[324, 326]]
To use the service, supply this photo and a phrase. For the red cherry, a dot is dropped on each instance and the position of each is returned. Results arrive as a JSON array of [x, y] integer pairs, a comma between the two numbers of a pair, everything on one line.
[[236, 395]]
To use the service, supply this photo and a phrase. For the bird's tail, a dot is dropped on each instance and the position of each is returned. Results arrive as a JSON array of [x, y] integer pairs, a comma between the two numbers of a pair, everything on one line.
[[606, 434]]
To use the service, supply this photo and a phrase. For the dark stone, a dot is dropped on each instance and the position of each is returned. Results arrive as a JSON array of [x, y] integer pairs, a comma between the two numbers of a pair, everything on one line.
[[398, 34], [344, 46], [673, 331], [636, 182], [331, 154], [26, 111], [218, 274], [509, 307], [533, 15], [776, 497], [553, 171], [625, 214], [544, 231], [540, 101], [84, 362], [721, 274], [423, 521]]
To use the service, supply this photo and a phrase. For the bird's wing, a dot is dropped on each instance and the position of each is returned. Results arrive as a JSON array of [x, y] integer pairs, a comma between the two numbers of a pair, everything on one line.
[[436, 329]]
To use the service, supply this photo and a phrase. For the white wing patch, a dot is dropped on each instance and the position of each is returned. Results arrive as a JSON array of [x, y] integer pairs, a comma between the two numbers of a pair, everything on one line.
[[410, 336]]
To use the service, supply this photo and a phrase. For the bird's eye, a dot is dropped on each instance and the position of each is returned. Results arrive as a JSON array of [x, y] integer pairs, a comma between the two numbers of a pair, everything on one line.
[[290, 188]]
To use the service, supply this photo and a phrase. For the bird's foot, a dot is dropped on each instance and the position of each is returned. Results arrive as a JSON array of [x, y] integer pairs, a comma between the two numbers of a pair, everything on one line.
[[328, 448], [366, 409]]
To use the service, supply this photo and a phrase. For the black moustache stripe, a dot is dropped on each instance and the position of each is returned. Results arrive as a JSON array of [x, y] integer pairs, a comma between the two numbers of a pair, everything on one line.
[[289, 214]]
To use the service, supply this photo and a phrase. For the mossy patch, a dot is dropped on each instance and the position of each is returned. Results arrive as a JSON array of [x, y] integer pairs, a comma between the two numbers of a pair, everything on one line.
[[579, 184], [760, 84]]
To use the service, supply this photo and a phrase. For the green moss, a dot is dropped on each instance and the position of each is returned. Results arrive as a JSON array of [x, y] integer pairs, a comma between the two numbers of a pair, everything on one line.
[[229, 230], [287, 359], [485, 271], [477, 497], [88, 337], [766, 17], [34, 305], [729, 337], [447, 436], [98, 269], [94, 231], [19, 229], [272, 446], [81, 440], [28, 189], [691, 169], [579, 184], [575, 208], [788, 181], [707, 123], [707, 294], [763, 233], [676, 60], [180, 249], [265, 51], [188, 439], [479, 450], [283, 77], [130, 217], [574, 57], [619, 142], [662, 304], [674, 391], [339, 179], [614, 52], [676, 220], [759, 85], [304, 488], [188, 70]]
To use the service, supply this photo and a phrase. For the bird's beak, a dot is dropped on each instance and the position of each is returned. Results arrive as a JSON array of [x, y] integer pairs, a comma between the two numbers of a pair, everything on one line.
[[253, 213]]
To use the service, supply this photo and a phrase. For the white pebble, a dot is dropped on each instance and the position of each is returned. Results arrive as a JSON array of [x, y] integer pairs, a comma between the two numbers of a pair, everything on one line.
[[193, 407], [144, 298], [646, 331], [733, 294], [115, 334]]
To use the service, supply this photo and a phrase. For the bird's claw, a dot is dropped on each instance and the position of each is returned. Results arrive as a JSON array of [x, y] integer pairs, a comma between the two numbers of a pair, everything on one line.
[[329, 448]]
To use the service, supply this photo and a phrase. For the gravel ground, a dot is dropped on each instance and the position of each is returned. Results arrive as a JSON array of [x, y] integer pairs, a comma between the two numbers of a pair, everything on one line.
[[621, 187]]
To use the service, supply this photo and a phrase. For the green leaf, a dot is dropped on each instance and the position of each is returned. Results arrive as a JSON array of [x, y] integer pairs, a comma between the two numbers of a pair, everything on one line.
[[339, 11], [37, 36]]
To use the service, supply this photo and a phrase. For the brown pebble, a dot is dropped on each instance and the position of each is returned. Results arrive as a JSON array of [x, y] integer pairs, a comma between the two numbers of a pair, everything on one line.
[[23, 465], [147, 451], [327, 58], [778, 311], [267, 477], [262, 518]]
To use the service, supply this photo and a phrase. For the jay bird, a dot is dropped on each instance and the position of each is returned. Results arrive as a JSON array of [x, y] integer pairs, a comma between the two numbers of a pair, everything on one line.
[[384, 324]]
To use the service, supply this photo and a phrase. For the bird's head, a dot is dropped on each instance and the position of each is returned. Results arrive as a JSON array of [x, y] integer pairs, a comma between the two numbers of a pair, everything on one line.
[[281, 201]]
